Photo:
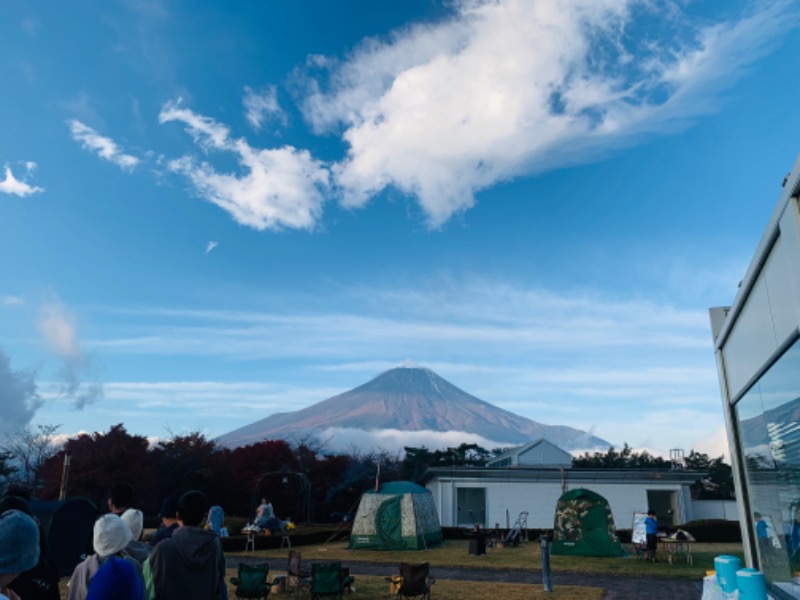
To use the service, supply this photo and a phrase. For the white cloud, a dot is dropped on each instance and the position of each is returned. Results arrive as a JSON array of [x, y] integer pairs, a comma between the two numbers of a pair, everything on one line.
[[341, 439], [12, 185], [280, 187], [261, 106], [21, 399], [105, 147], [714, 445], [58, 327], [211, 245], [512, 87], [12, 301]]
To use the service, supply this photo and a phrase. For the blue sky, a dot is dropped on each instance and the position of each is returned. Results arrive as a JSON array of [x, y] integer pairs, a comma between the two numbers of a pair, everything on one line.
[[210, 214]]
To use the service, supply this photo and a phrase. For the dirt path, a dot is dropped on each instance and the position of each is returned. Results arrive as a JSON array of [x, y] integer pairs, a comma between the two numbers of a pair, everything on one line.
[[616, 588]]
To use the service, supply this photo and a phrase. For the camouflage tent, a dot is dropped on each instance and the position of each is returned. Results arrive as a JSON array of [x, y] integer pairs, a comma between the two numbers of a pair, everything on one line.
[[399, 516], [584, 526]]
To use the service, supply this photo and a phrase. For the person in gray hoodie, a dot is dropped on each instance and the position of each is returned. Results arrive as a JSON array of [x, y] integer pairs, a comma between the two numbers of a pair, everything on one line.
[[136, 549], [190, 564]]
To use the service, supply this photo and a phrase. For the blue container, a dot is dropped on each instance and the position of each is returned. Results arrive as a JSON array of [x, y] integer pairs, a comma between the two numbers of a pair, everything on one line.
[[726, 567], [752, 585]]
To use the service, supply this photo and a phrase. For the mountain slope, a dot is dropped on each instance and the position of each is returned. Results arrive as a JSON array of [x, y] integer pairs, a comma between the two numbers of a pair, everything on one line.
[[410, 399]]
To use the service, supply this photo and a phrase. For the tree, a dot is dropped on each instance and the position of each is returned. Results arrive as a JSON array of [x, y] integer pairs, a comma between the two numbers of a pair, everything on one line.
[[190, 461], [6, 469], [718, 485], [28, 450], [99, 461], [415, 463], [623, 459], [248, 466]]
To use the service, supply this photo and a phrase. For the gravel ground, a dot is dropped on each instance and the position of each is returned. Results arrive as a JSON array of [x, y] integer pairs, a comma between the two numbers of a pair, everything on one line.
[[616, 588]]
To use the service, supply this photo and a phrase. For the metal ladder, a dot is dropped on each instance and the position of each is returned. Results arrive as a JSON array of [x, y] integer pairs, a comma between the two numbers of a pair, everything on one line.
[[518, 533]]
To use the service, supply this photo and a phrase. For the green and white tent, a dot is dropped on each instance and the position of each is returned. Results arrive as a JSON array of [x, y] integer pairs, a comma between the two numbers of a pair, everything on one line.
[[400, 516], [584, 526]]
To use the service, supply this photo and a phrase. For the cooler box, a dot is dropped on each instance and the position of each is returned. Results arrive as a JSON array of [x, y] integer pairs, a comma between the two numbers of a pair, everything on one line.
[[726, 567], [751, 584]]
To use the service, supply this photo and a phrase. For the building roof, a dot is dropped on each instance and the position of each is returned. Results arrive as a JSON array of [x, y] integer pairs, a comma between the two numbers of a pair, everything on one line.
[[542, 474], [517, 451]]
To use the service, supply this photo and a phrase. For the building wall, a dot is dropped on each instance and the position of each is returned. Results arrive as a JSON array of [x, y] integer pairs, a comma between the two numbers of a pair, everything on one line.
[[770, 314], [505, 500], [727, 510], [757, 343]]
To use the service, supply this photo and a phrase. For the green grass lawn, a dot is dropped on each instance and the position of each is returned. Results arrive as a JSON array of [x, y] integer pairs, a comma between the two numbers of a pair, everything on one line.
[[526, 556]]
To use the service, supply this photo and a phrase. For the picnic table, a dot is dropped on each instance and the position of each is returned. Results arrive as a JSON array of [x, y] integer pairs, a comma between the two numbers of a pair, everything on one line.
[[675, 549]]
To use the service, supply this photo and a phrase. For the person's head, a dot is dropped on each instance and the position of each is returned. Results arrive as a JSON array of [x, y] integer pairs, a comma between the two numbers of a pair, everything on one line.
[[192, 508], [19, 545], [169, 508], [111, 535], [15, 503], [758, 516], [263, 500], [19, 489], [116, 579], [651, 513], [134, 519], [120, 497]]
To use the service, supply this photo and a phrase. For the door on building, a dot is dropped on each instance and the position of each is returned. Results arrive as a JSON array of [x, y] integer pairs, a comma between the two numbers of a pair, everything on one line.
[[470, 507], [663, 502]]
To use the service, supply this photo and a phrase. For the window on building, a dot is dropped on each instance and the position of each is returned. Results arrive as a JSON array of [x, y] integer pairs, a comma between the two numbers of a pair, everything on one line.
[[470, 506], [768, 418]]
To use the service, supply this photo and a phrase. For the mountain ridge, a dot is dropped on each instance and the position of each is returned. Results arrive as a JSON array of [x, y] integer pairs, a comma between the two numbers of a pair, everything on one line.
[[410, 399]]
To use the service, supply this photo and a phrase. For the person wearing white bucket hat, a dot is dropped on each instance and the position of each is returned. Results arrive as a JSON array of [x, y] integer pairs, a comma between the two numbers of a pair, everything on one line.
[[136, 549], [19, 548], [111, 536]]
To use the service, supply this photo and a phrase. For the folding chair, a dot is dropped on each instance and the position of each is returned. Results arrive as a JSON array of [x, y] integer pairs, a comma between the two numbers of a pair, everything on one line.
[[328, 580], [251, 581], [297, 578], [415, 582]]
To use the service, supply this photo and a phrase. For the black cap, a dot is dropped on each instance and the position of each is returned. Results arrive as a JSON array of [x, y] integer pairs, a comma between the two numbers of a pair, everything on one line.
[[169, 507]]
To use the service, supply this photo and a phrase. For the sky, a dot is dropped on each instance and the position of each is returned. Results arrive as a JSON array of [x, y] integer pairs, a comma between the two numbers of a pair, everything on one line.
[[210, 212]]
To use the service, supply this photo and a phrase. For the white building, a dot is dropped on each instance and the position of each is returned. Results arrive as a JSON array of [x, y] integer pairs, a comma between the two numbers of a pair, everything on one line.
[[758, 360], [531, 478]]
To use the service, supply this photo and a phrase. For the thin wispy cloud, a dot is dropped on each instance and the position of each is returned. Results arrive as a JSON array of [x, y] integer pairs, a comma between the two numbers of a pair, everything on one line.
[[59, 329], [103, 146], [12, 185], [11, 301], [211, 245], [262, 106], [276, 188], [512, 87], [577, 358]]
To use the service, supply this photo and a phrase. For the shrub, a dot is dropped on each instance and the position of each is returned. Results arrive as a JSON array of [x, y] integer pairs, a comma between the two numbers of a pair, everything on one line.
[[714, 530]]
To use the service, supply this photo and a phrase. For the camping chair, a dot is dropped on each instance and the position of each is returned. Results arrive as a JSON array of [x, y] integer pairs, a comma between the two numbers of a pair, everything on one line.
[[414, 582], [297, 578], [252, 581], [328, 581]]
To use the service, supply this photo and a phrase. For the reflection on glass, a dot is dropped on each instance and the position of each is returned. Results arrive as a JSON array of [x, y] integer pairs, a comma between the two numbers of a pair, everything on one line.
[[769, 422]]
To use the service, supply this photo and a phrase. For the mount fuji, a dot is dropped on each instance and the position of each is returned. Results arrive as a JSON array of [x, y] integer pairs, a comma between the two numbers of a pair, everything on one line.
[[409, 407]]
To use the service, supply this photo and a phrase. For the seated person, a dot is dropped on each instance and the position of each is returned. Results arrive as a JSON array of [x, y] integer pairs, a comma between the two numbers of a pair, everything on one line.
[[215, 519], [264, 513]]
